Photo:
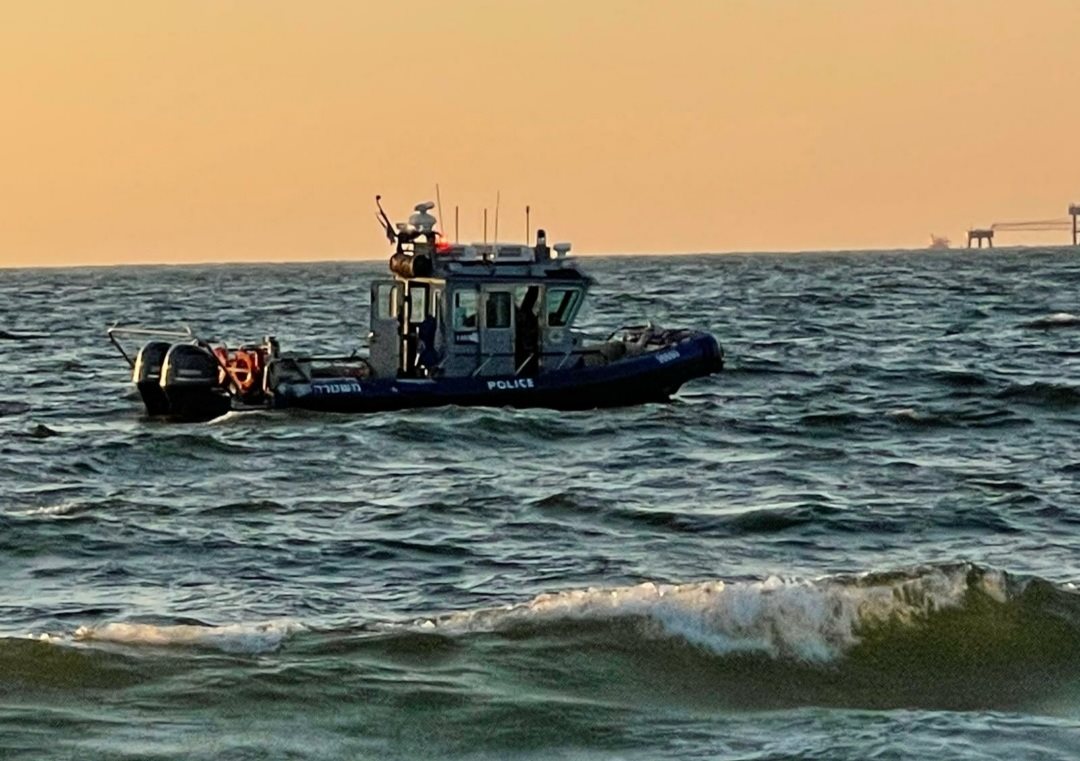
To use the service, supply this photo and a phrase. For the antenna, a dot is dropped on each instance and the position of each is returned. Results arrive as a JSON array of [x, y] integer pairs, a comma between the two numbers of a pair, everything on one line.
[[485, 227], [438, 201], [381, 216], [495, 240], [456, 239], [526, 224]]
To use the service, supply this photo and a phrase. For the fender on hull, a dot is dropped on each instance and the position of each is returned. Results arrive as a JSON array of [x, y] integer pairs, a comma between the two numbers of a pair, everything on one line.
[[651, 377]]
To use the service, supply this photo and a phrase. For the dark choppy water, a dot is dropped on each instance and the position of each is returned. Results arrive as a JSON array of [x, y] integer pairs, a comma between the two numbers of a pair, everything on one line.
[[859, 541]]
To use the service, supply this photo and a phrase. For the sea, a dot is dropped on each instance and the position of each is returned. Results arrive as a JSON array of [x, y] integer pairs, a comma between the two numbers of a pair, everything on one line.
[[861, 540]]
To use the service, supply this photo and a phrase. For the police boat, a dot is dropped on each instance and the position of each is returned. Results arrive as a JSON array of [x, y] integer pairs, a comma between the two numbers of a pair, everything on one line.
[[478, 324]]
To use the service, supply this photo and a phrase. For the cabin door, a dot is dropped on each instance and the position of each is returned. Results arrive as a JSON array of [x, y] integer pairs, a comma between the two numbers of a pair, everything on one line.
[[463, 334], [418, 333], [527, 333], [385, 347], [497, 331]]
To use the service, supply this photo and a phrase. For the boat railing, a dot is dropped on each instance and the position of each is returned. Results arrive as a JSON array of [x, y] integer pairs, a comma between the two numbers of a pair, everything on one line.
[[482, 365], [632, 329], [524, 364], [487, 358], [122, 330], [565, 357]]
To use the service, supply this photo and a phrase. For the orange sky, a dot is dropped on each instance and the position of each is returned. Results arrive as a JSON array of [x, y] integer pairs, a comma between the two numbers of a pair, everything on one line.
[[217, 130]]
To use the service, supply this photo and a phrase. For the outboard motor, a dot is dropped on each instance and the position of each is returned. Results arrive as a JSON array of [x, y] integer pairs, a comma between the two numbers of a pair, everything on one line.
[[189, 379], [146, 375]]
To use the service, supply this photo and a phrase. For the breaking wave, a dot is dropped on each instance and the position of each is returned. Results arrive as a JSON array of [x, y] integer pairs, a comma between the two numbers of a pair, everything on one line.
[[956, 637], [808, 620]]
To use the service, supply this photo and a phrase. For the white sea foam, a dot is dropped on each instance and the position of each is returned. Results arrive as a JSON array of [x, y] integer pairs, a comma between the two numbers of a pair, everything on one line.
[[232, 638], [62, 508], [809, 620], [903, 413], [1055, 320], [233, 416]]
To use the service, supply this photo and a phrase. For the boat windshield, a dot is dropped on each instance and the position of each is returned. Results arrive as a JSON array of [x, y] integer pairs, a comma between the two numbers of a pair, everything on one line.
[[465, 310], [562, 303]]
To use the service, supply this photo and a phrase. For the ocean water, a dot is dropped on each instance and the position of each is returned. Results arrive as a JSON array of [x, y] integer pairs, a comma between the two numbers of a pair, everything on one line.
[[858, 541]]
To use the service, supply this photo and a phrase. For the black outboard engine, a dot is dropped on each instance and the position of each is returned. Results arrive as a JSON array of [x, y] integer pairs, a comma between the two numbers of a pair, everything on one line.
[[146, 375], [189, 379]]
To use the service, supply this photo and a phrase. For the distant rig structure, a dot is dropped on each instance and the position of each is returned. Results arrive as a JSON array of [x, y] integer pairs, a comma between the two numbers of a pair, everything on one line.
[[980, 234]]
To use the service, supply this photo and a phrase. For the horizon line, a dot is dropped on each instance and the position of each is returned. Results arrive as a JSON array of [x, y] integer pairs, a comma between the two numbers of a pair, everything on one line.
[[592, 254]]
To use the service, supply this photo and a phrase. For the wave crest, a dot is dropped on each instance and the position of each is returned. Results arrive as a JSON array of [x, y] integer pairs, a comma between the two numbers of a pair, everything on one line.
[[809, 620]]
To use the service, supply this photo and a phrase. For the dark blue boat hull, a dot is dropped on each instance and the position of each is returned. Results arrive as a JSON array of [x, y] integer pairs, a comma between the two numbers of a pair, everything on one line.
[[650, 377]]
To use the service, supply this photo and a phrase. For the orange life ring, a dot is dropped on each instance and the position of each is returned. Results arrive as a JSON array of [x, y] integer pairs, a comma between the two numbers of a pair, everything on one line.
[[241, 367], [244, 368]]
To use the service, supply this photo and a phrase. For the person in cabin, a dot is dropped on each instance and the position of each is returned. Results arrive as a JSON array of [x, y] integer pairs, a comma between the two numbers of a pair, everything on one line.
[[427, 356], [527, 333]]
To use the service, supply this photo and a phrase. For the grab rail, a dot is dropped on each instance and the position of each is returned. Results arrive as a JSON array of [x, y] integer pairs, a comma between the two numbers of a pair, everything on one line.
[[116, 328], [524, 364]]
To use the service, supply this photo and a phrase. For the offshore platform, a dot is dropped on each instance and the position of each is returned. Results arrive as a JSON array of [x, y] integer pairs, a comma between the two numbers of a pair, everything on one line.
[[1063, 224]]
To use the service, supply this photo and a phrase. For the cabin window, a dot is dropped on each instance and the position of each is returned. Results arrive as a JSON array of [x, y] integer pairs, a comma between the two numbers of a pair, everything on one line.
[[417, 303], [433, 305], [386, 301], [527, 300], [465, 310], [498, 309], [561, 305]]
